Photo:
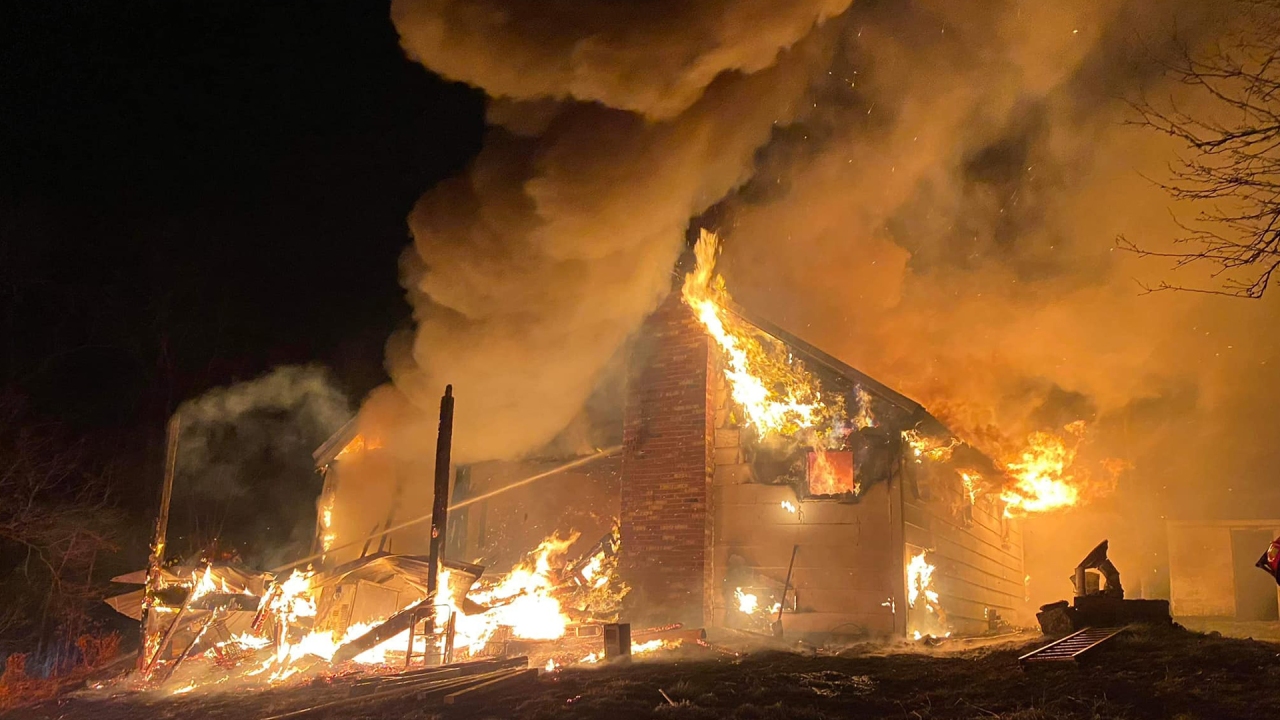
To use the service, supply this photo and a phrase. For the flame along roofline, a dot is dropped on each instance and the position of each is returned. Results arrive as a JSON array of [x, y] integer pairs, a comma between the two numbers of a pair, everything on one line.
[[916, 412], [916, 415]]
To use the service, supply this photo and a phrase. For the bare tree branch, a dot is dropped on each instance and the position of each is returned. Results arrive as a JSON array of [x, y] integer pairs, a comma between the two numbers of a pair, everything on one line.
[[1231, 160]]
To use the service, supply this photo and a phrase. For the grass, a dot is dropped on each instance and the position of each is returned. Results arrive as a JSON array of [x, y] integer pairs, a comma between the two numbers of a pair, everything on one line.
[[1148, 673]]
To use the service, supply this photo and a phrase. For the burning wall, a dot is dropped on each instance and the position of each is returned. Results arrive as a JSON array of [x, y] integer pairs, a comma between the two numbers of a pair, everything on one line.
[[713, 507]]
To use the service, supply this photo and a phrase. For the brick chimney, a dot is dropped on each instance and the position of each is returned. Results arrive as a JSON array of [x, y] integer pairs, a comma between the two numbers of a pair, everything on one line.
[[668, 434]]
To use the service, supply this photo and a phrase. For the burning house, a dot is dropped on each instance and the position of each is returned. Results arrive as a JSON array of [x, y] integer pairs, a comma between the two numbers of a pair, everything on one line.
[[764, 486], [873, 520], [761, 487]]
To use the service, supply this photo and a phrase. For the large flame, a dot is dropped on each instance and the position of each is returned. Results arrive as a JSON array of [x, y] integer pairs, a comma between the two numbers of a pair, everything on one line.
[[525, 600], [921, 593], [1041, 481], [920, 582], [775, 392]]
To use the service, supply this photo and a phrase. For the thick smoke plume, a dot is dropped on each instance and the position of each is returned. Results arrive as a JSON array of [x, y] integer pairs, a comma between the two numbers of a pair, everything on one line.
[[612, 124], [244, 474], [948, 224], [930, 190]]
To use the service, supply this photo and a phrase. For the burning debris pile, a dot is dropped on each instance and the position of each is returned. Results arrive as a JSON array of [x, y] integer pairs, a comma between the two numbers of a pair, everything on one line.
[[220, 626]]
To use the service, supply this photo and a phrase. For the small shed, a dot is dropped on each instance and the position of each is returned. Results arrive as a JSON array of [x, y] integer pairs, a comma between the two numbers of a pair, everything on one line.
[[1212, 569]]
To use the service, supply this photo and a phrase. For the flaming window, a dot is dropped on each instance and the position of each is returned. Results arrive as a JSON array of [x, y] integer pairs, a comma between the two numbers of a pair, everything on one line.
[[831, 473]]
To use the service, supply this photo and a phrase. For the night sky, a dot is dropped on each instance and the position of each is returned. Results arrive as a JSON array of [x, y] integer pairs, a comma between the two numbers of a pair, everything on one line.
[[195, 193]]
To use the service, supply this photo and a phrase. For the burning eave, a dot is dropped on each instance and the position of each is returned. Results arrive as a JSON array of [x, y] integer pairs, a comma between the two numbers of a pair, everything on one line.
[[909, 415]]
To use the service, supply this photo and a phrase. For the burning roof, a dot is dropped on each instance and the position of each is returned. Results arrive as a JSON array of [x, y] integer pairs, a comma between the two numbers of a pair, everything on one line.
[[787, 387]]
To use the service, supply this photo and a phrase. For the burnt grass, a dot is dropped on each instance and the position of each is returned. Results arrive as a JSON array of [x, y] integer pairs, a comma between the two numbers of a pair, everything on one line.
[[1146, 673]]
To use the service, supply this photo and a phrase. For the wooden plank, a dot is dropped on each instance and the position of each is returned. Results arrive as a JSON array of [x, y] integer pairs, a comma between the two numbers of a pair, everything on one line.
[[735, 529], [513, 677], [951, 549], [940, 520], [984, 596], [948, 525], [875, 579], [737, 518], [838, 600], [825, 599], [961, 546], [880, 623], [372, 685], [975, 566]]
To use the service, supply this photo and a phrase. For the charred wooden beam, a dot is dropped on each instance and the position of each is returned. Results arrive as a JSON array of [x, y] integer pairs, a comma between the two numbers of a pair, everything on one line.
[[440, 502], [155, 562], [396, 624]]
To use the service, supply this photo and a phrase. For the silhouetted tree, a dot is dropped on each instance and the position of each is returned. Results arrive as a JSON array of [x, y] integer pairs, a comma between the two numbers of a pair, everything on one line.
[[1230, 167], [56, 523]]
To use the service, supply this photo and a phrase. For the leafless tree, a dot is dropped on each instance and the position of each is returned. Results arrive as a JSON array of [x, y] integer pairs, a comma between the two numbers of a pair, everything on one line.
[[55, 522], [1230, 166]]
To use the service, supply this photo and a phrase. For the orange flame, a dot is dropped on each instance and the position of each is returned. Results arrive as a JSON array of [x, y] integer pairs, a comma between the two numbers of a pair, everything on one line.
[[1041, 481], [920, 592], [775, 393], [924, 447]]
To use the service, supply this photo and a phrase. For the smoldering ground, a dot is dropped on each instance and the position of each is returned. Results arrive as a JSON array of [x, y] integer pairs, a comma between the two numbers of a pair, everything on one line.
[[930, 190]]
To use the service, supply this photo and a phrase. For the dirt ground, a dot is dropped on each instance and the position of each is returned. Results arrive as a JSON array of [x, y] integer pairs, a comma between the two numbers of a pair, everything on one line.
[[1148, 673]]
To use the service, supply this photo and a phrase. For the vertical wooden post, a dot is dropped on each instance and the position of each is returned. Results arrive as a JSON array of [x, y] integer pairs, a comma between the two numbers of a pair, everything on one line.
[[155, 563], [408, 652], [440, 506]]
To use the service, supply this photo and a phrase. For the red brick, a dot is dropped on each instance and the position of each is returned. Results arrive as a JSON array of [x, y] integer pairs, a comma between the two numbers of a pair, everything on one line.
[[667, 438]]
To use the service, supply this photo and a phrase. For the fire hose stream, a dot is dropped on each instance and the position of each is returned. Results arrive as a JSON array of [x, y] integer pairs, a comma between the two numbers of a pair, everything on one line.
[[460, 504]]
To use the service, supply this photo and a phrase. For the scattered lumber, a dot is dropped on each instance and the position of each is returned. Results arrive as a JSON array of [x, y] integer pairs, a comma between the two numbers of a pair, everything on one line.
[[511, 677], [424, 686]]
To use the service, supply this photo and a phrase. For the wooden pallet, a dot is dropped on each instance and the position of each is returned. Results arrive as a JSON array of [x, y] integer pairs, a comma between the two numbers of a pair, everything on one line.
[[1072, 647]]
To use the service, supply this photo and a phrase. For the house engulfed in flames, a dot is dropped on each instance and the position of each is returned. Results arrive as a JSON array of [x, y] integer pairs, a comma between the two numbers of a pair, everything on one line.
[[762, 486], [759, 474], [880, 518]]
